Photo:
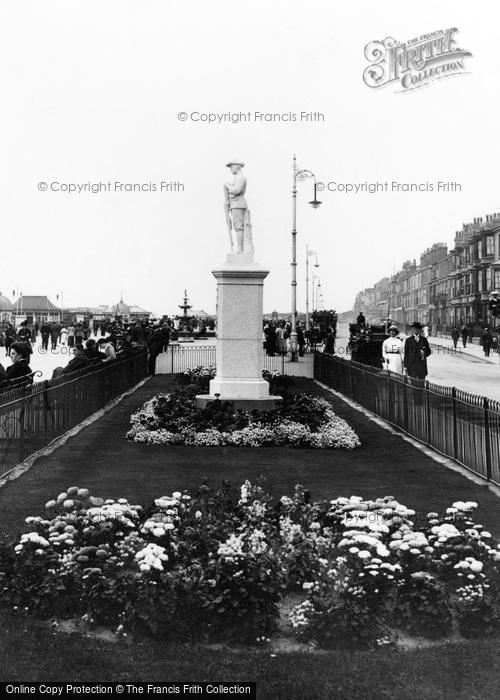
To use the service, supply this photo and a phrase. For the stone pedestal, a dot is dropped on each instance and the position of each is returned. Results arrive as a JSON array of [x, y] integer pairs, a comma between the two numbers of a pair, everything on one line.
[[240, 284]]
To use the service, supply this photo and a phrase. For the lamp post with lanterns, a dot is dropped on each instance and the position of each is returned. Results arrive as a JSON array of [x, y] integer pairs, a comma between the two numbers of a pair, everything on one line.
[[299, 175], [309, 252]]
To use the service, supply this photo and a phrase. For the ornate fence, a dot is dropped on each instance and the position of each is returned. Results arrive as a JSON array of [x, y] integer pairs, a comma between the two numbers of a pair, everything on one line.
[[31, 417], [178, 358], [460, 425]]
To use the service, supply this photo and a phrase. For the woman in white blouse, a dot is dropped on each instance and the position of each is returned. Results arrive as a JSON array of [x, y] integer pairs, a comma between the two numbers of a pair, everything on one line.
[[392, 351]]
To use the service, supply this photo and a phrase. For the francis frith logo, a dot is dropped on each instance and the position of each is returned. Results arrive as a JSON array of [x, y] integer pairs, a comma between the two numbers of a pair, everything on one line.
[[414, 63]]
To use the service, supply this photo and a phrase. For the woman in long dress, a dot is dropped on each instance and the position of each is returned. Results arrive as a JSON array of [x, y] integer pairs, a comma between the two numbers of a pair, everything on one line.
[[392, 351]]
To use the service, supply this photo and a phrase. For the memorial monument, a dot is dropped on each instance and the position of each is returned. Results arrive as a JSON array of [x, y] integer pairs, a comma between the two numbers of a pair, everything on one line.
[[240, 285]]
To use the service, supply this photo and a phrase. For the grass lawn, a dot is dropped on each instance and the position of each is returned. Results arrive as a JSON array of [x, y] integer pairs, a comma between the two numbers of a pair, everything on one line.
[[31, 652], [99, 458]]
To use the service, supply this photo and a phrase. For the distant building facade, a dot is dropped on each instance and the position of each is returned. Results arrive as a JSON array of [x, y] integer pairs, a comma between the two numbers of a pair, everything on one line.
[[36, 309], [447, 288], [105, 312], [6, 309]]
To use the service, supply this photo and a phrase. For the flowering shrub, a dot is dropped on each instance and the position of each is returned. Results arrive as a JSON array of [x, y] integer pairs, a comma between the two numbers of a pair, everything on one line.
[[185, 566], [211, 566], [199, 376], [381, 573], [300, 421]]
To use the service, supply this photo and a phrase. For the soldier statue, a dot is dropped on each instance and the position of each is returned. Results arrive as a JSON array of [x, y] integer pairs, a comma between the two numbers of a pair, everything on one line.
[[237, 212]]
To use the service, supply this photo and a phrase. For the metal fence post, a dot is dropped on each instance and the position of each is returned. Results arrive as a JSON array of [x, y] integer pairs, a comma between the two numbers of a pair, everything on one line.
[[487, 443], [428, 412], [454, 413], [405, 402]]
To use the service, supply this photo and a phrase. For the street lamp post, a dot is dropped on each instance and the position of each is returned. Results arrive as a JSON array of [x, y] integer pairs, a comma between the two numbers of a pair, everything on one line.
[[319, 297], [309, 252], [61, 294], [297, 175], [17, 291]]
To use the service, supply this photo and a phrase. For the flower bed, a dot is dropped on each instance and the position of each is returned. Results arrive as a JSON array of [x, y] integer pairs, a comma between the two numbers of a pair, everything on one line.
[[211, 567], [300, 421], [200, 377]]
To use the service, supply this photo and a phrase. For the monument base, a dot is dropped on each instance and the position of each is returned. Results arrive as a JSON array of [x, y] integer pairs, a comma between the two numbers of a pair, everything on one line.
[[265, 403], [246, 393]]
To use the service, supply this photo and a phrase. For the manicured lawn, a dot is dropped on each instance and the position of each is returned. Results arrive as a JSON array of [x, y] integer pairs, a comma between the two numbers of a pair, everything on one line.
[[31, 652], [99, 458]]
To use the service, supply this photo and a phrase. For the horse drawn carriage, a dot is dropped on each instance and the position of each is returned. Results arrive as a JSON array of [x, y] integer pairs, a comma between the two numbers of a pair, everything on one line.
[[365, 344]]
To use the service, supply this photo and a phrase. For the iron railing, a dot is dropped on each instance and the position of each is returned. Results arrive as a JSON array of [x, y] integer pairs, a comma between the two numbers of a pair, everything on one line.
[[33, 416], [457, 424], [178, 358]]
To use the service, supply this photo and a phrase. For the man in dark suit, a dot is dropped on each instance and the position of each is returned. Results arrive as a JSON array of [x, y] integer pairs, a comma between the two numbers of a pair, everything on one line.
[[79, 361], [417, 351], [487, 341], [45, 331], [159, 340]]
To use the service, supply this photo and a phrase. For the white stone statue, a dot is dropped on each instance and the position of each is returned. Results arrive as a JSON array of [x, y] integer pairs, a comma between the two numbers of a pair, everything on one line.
[[237, 212]]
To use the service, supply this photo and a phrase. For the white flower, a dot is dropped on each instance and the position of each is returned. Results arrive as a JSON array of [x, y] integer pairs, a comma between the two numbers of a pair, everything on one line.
[[461, 506], [445, 531], [35, 538], [151, 556], [364, 554], [232, 547], [476, 566], [198, 515]]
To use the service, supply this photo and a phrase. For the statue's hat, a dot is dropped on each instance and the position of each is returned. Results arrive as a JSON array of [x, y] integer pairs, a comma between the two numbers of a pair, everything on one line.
[[235, 162]]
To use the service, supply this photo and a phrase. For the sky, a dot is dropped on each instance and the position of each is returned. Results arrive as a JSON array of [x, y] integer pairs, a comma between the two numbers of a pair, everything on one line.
[[92, 92]]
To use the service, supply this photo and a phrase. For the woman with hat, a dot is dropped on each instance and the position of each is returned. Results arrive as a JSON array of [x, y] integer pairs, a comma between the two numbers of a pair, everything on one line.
[[392, 351]]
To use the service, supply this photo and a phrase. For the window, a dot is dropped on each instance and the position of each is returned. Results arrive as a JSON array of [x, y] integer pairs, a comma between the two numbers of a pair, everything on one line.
[[490, 245], [496, 279], [488, 278]]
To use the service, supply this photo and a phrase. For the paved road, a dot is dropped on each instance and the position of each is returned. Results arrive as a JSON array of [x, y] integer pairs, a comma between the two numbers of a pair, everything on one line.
[[447, 368]]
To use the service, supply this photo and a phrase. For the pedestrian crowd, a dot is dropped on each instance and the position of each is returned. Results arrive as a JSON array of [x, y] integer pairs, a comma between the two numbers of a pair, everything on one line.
[[487, 340], [117, 340], [277, 338]]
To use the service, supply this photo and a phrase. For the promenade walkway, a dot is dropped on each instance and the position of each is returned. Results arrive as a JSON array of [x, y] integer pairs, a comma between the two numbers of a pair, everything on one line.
[[101, 459], [445, 345]]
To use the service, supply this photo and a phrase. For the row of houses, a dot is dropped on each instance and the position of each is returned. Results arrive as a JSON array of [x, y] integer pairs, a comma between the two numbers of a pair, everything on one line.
[[447, 287]]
